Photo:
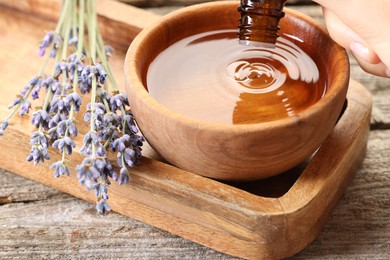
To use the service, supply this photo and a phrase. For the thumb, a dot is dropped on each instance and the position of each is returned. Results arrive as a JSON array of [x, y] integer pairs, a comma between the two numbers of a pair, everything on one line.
[[359, 26], [349, 39]]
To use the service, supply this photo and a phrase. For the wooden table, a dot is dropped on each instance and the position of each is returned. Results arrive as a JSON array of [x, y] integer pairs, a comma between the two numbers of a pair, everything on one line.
[[39, 222]]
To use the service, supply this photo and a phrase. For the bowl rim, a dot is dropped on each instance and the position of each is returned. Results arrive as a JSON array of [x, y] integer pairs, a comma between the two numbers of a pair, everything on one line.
[[134, 81]]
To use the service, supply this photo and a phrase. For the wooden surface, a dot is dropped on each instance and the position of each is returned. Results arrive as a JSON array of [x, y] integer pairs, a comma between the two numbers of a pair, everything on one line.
[[359, 226]]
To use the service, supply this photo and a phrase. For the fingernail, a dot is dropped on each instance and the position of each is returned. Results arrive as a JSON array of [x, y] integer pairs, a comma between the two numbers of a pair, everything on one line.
[[359, 50], [388, 73]]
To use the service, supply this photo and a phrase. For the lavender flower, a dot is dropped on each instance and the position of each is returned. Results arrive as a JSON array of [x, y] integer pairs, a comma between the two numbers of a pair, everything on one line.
[[55, 120], [101, 73], [47, 40], [60, 68], [124, 176], [60, 169], [89, 171], [89, 139], [35, 92], [99, 112], [100, 190], [25, 108], [40, 138], [3, 126], [15, 102], [34, 81], [120, 143], [129, 120], [38, 153], [40, 117], [67, 125], [46, 83], [109, 172], [57, 42], [64, 144], [55, 87], [75, 99], [88, 73], [112, 126], [118, 101], [102, 207]]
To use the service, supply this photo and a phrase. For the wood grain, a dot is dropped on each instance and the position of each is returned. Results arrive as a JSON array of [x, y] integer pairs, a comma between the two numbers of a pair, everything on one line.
[[238, 222], [359, 226]]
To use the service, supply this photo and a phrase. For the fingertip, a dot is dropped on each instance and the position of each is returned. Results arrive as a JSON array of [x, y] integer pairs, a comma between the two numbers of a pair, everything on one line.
[[387, 73], [364, 53], [379, 69]]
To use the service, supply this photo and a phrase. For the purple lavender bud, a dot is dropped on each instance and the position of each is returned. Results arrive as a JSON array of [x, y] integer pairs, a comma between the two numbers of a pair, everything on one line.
[[87, 116], [124, 176], [104, 95], [115, 176], [89, 139], [35, 92], [100, 164], [34, 81], [85, 88], [60, 169], [25, 108], [40, 138], [118, 101], [120, 143], [57, 44], [47, 40], [3, 126], [72, 128], [137, 140], [54, 121], [130, 123], [102, 207], [101, 73], [47, 82], [15, 102], [61, 127], [129, 157], [60, 68], [55, 86], [85, 74], [40, 117], [101, 151], [38, 154], [74, 99]]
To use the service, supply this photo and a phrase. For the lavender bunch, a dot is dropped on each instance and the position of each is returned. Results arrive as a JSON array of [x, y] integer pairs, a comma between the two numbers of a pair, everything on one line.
[[80, 69]]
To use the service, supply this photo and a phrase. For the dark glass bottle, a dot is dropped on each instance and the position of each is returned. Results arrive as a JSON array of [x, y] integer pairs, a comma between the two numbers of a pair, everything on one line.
[[259, 23]]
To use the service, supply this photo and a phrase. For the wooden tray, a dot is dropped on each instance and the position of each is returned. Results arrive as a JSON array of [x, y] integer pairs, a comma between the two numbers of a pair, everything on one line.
[[273, 218]]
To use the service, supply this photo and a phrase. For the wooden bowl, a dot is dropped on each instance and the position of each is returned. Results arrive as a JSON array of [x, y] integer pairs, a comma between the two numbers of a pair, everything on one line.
[[234, 152]]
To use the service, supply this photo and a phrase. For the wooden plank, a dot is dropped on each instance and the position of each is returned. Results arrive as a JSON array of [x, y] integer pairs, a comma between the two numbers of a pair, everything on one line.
[[358, 227], [198, 208]]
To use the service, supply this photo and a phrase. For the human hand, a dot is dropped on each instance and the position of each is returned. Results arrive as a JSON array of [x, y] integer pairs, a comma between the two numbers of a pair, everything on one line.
[[363, 27]]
